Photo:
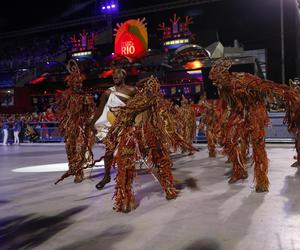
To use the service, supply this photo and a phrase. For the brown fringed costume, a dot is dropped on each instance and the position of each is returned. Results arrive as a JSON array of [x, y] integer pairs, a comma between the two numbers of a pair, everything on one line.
[[186, 120], [212, 121], [144, 129], [75, 115], [246, 95], [292, 120]]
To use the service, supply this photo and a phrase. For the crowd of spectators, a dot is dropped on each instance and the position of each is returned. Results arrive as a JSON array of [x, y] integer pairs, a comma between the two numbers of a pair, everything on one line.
[[16, 128], [31, 53], [23, 53]]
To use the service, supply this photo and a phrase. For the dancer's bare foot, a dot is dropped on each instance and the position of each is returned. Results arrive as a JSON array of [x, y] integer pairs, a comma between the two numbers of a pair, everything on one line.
[[234, 179], [126, 208], [261, 189], [126, 204], [172, 194]]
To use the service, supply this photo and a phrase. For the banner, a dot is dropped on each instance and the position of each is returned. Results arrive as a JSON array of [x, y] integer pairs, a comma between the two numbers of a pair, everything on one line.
[[131, 39]]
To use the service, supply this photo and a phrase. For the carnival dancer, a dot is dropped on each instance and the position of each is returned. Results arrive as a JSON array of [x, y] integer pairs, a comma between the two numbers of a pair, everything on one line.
[[144, 129], [246, 96], [210, 123], [75, 112], [292, 120], [116, 96], [139, 132], [188, 119]]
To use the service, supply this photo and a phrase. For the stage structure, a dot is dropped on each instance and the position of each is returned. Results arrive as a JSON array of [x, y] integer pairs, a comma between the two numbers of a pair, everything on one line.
[[177, 34], [184, 75], [82, 45]]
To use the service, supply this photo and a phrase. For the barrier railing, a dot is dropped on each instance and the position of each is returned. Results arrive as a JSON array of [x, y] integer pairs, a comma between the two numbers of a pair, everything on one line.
[[43, 132], [48, 132], [36, 132]]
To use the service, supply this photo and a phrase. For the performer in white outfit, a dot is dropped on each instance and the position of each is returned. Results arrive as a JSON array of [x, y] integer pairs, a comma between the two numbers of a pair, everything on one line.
[[115, 96], [17, 130], [5, 132], [104, 122]]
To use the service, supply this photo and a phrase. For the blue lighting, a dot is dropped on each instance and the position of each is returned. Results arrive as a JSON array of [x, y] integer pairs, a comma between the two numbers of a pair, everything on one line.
[[109, 6]]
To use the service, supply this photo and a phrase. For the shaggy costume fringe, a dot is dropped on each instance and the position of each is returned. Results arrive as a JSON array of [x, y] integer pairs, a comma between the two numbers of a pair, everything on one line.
[[212, 120], [185, 117], [75, 115], [292, 120], [144, 129], [246, 96]]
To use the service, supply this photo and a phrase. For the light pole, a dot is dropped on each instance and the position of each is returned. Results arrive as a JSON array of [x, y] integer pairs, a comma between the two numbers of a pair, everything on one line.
[[108, 8], [282, 43]]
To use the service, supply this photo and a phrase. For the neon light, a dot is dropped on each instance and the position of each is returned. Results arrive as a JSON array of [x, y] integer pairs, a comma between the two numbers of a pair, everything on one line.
[[176, 43], [193, 65], [38, 80], [194, 72], [79, 54], [106, 74]]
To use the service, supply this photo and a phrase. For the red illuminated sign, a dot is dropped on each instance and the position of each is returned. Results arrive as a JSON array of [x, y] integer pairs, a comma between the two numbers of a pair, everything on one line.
[[131, 38], [128, 48]]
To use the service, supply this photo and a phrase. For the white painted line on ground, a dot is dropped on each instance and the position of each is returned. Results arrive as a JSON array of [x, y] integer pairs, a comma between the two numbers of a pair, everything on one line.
[[57, 167]]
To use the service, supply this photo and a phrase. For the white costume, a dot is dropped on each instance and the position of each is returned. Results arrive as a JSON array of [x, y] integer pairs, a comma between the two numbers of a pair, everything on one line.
[[5, 136], [102, 124]]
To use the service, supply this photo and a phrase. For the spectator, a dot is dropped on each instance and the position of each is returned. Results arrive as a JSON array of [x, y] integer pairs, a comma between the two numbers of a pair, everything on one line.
[[1, 124], [50, 118], [17, 130], [5, 127], [22, 132]]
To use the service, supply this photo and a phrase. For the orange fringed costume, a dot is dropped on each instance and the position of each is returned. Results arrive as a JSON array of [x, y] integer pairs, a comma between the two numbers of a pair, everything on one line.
[[212, 120], [292, 120], [246, 94], [144, 129], [75, 114], [187, 118]]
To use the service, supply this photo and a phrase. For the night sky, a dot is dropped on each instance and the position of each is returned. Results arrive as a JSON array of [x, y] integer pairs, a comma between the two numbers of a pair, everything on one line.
[[255, 23]]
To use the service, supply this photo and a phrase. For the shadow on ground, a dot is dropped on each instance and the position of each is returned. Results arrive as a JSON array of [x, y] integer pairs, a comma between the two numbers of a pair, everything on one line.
[[204, 244], [292, 183], [105, 240], [29, 231]]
